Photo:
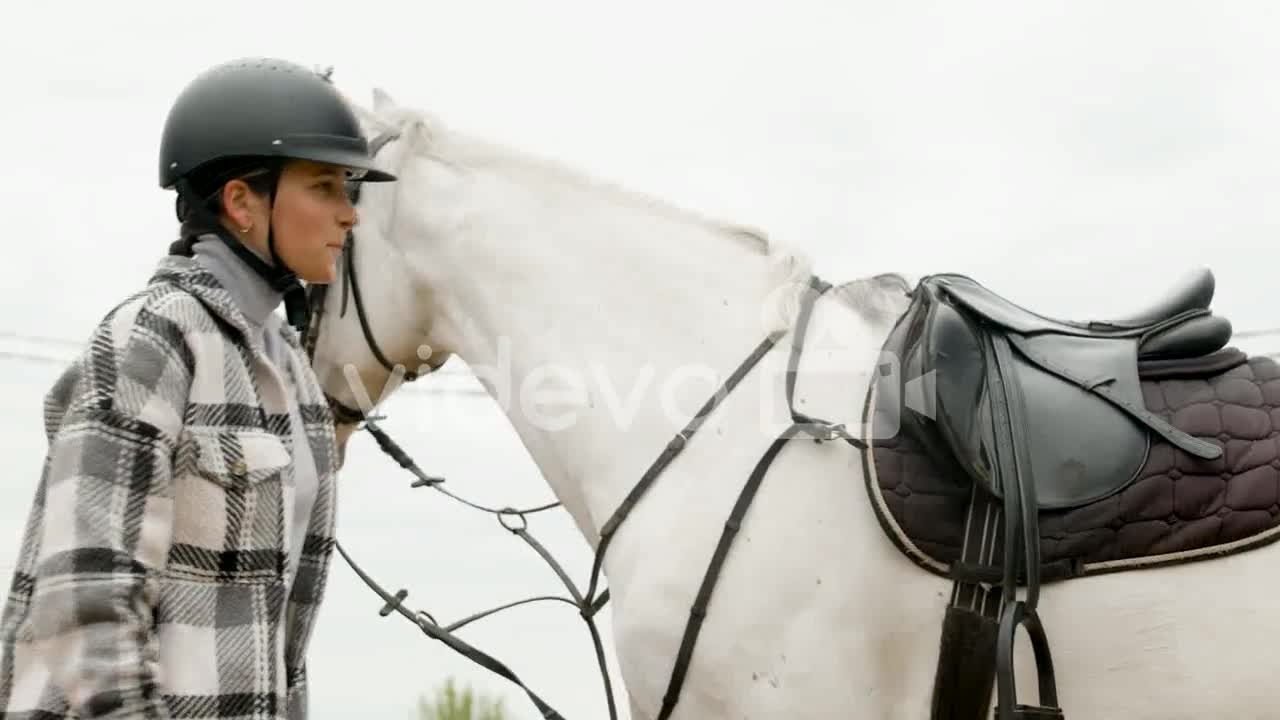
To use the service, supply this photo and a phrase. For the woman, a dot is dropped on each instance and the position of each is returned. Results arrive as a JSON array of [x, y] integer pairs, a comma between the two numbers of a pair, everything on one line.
[[181, 532]]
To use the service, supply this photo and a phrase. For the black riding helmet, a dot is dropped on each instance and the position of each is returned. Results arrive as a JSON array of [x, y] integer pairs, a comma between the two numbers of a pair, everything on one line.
[[247, 117]]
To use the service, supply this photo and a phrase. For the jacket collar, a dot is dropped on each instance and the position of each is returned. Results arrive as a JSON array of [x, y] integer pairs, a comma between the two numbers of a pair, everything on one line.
[[252, 293], [189, 275]]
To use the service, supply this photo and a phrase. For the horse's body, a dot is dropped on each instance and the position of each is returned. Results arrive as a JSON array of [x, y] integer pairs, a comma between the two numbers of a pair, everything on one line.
[[600, 323]]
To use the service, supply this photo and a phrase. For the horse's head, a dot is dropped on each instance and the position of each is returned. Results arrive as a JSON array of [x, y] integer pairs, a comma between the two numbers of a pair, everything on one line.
[[534, 274], [372, 328]]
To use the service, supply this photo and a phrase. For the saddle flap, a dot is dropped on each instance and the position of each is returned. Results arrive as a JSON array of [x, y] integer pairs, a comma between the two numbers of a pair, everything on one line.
[[1080, 448]]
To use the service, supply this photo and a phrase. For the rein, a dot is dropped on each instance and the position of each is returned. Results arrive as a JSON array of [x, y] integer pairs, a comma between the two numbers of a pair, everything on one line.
[[516, 520]]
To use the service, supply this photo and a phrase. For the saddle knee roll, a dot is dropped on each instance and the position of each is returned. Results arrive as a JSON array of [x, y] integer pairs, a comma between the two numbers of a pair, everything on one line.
[[1194, 337]]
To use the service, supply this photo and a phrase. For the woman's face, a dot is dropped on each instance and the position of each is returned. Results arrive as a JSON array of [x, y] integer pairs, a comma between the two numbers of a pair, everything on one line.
[[311, 217]]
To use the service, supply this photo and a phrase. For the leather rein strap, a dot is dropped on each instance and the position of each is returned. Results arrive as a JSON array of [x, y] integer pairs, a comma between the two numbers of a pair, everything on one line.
[[516, 521]]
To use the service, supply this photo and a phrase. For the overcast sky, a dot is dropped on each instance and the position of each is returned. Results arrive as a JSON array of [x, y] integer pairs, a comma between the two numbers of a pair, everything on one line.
[[1076, 156]]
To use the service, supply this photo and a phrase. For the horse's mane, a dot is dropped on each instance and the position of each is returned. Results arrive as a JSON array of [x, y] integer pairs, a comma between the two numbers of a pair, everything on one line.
[[431, 137], [877, 298]]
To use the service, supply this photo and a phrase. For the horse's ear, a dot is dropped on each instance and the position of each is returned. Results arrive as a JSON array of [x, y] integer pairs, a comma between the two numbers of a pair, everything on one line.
[[382, 100]]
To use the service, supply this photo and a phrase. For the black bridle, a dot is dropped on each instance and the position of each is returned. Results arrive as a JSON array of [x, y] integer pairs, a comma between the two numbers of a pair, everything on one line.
[[316, 296], [516, 520]]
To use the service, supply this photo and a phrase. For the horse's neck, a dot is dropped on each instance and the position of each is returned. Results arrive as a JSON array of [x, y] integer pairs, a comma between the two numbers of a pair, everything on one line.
[[600, 329]]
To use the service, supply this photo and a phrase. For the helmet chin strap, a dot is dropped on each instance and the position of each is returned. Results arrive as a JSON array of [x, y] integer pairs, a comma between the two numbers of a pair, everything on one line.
[[276, 273], [285, 280]]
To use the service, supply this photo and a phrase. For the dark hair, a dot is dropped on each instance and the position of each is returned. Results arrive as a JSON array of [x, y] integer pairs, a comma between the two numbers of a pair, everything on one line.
[[259, 173]]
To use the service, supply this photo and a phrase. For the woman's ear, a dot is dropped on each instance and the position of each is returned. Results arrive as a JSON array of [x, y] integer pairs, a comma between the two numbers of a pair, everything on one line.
[[237, 204], [241, 205]]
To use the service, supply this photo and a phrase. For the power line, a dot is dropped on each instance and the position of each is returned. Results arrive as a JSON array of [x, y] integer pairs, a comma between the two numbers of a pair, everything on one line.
[[30, 357], [47, 340], [1248, 334], [77, 345], [413, 389], [425, 388]]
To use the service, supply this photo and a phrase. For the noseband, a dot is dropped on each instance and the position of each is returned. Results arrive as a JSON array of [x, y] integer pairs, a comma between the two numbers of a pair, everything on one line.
[[316, 295]]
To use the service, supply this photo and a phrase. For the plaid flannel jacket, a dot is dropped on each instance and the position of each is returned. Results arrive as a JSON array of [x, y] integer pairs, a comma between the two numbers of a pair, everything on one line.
[[151, 578]]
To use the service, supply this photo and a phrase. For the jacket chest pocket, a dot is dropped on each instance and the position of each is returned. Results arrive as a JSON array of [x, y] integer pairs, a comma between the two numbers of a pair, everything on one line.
[[229, 512]]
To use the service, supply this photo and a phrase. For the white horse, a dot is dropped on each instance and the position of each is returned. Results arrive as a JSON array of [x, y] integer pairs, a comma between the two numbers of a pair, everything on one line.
[[600, 320]]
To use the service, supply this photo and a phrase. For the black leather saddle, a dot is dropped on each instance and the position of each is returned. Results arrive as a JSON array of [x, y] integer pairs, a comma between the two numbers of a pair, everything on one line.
[[1046, 414], [1082, 417]]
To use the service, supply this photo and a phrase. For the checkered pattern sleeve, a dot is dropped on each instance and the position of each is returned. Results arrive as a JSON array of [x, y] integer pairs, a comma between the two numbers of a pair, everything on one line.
[[106, 523]]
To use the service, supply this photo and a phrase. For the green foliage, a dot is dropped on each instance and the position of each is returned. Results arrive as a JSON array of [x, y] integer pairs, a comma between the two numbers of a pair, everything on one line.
[[452, 703]]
